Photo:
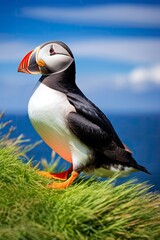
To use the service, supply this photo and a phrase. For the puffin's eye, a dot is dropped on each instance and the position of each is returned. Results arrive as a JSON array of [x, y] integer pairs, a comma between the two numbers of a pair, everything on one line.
[[51, 51]]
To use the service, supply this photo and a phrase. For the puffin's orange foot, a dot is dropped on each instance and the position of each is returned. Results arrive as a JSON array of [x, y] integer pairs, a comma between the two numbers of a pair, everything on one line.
[[61, 175], [65, 184]]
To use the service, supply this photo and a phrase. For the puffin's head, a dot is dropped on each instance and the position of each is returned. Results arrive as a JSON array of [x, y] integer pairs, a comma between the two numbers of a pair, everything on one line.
[[48, 58]]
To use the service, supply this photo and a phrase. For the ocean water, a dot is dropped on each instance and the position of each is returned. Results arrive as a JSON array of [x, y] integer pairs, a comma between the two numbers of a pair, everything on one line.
[[140, 132]]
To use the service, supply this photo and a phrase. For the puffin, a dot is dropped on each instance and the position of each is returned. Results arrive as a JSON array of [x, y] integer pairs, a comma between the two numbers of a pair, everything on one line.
[[68, 122]]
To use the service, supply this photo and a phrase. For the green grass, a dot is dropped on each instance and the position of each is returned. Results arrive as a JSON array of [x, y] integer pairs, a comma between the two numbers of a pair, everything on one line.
[[89, 209]]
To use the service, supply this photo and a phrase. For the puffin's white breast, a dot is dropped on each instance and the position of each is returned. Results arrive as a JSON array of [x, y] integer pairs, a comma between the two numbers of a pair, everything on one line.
[[48, 110]]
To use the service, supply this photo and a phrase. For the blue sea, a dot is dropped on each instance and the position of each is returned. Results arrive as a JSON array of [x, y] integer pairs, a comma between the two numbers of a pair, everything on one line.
[[140, 132]]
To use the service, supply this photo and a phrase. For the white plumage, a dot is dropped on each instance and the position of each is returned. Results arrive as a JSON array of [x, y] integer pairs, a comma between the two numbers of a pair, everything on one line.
[[48, 110]]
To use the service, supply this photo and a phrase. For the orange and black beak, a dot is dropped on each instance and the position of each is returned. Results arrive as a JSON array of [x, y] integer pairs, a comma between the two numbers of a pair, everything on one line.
[[29, 64]]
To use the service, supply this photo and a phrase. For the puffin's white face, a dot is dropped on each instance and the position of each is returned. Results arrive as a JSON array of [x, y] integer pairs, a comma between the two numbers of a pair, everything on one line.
[[48, 58]]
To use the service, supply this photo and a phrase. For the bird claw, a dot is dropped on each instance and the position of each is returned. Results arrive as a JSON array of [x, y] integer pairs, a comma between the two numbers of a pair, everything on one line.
[[60, 175], [63, 185]]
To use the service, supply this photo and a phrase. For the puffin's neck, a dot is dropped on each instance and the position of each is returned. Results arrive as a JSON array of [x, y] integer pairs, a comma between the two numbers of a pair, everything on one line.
[[62, 81]]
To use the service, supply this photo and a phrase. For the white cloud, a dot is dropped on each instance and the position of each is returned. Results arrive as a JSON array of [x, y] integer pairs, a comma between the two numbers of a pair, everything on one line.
[[117, 14], [130, 50], [143, 75], [139, 79], [12, 51]]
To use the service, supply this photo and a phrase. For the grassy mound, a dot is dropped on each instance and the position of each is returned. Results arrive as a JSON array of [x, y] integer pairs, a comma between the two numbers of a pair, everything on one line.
[[86, 210]]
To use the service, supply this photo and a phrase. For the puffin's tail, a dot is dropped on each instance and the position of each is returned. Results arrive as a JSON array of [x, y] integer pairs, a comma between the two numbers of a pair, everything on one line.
[[143, 169], [139, 167]]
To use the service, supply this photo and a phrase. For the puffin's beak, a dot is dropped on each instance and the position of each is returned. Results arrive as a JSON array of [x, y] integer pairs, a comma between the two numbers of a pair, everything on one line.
[[29, 64]]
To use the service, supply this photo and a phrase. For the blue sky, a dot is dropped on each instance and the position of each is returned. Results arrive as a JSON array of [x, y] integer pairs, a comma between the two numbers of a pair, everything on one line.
[[116, 45]]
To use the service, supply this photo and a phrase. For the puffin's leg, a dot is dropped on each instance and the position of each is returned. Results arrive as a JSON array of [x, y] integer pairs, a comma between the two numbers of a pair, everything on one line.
[[61, 175], [65, 184]]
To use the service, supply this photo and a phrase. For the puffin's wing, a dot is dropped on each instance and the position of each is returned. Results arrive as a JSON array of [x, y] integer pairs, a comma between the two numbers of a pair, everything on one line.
[[93, 128], [95, 137], [92, 119], [88, 132]]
